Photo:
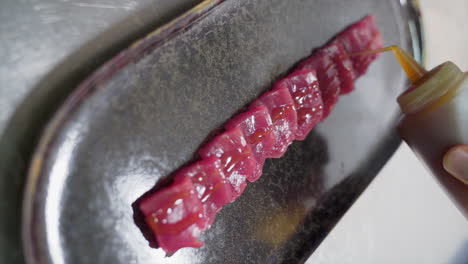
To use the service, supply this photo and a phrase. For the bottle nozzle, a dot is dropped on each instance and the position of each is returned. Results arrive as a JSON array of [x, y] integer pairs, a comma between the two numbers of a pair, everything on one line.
[[413, 70]]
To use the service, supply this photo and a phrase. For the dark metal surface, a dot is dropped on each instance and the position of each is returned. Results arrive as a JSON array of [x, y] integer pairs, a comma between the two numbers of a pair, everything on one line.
[[47, 48], [108, 146]]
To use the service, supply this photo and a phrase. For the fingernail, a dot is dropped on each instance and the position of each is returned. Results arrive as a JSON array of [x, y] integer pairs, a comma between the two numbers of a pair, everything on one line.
[[456, 162]]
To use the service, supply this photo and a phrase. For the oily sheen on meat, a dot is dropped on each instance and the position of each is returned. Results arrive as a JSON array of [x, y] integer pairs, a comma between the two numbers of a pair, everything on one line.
[[178, 213]]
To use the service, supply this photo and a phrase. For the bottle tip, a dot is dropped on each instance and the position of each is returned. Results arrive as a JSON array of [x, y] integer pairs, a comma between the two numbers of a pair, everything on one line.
[[413, 70]]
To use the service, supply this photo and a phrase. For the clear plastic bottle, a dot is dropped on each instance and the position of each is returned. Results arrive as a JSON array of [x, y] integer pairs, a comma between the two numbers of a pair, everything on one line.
[[435, 118]]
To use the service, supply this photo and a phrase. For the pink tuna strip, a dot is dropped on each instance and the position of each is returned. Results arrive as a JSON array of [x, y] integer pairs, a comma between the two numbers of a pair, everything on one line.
[[328, 79], [210, 185], [256, 125], [176, 216], [237, 160], [179, 213], [343, 63], [361, 36], [303, 86], [283, 115]]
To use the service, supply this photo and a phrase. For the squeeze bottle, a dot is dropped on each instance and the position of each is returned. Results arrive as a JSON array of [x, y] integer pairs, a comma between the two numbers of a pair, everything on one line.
[[435, 118]]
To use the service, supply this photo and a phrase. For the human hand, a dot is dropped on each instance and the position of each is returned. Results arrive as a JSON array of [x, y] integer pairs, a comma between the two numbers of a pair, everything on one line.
[[456, 162]]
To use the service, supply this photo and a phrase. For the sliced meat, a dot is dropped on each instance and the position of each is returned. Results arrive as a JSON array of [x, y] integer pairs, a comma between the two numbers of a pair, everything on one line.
[[304, 90], [257, 127], [237, 160], [210, 185], [361, 36], [367, 59], [328, 79], [179, 213], [175, 215], [343, 63], [186, 238], [283, 115]]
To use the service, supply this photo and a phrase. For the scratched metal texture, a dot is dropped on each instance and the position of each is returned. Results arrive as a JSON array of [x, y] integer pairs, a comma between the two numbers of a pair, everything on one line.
[[150, 116], [47, 48]]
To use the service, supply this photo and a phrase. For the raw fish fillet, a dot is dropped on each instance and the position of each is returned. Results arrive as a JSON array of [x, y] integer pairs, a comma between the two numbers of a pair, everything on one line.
[[327, 76], [361, 36], [175, 215], [179, 213], [257, 127], [210, 185], [237, 160], [343, 63], [303, 86], [283, 115]]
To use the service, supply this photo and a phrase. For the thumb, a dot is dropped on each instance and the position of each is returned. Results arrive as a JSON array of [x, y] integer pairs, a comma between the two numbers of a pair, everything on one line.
[[456, 162]]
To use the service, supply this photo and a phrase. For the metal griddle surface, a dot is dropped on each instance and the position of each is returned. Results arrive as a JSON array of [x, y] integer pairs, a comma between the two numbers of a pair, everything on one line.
[[144, 114]]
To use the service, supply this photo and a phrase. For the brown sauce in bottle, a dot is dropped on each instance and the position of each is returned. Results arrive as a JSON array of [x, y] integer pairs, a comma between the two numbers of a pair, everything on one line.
[[435, 117]]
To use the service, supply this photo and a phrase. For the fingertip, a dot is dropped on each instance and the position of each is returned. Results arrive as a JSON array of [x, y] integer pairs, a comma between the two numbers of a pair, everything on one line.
[[455, 162]]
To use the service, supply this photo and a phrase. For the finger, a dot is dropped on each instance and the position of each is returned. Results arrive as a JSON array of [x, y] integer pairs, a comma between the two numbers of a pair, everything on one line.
[[456, 162]]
